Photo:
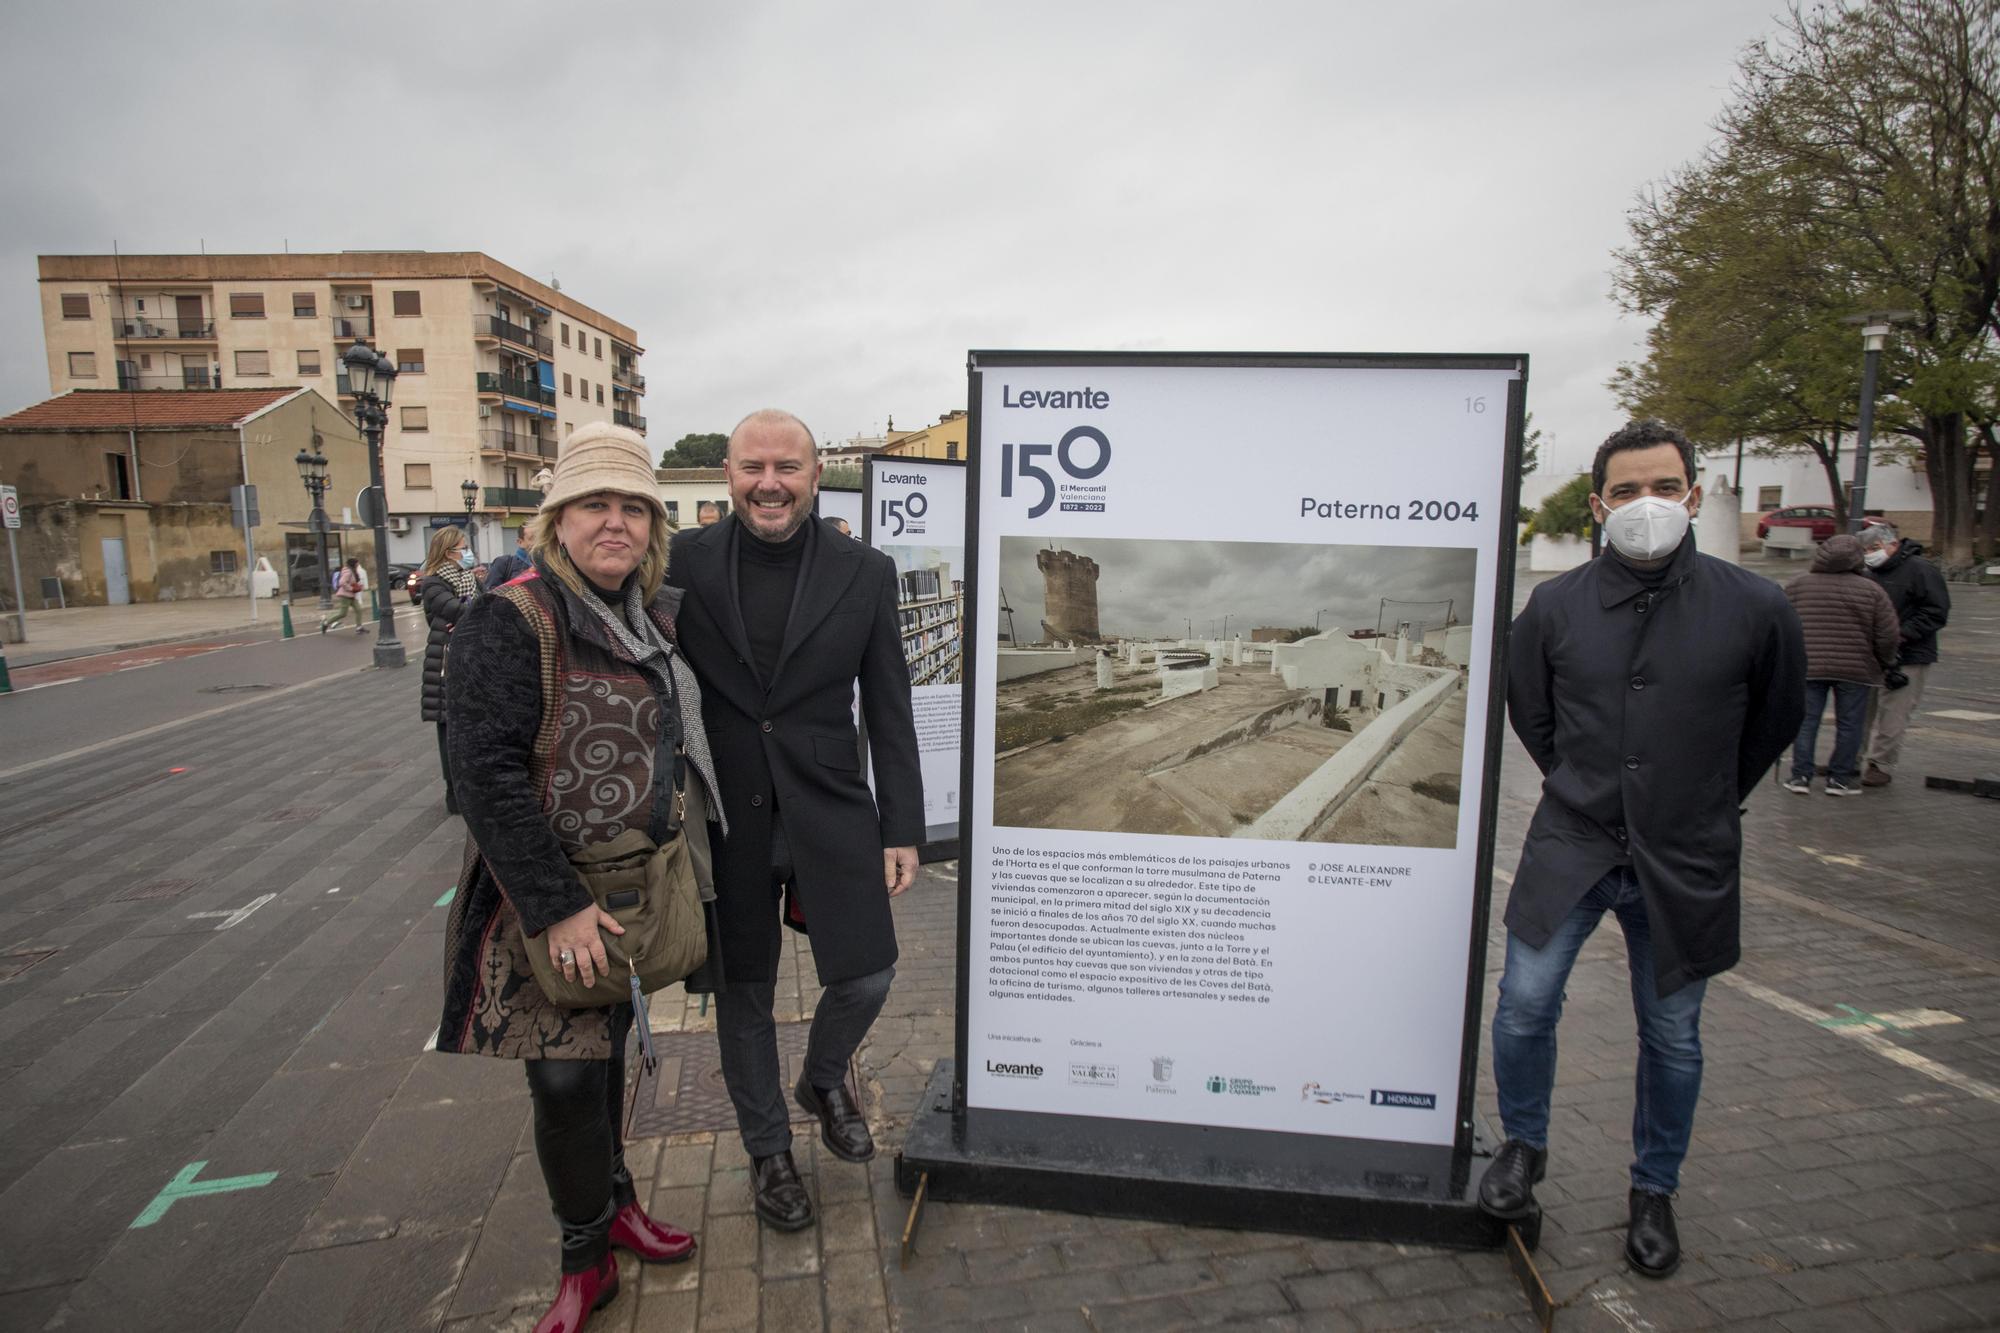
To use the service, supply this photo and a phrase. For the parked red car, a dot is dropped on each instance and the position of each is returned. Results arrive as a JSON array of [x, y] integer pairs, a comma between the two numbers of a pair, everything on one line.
[[1820, 518]]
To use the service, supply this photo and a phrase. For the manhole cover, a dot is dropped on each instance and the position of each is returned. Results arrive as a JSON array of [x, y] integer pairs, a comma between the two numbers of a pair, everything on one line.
[[159, 888], [688, 1094], [232, 689], [295, 814], [14, 964]]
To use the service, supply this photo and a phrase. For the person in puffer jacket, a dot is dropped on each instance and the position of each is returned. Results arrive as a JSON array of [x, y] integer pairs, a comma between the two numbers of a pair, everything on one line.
[[1851, 640], [448, 585]]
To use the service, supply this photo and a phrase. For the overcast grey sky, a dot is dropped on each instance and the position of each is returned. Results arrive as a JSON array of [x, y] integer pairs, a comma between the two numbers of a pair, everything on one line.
[[1158, 587], [823, 206]]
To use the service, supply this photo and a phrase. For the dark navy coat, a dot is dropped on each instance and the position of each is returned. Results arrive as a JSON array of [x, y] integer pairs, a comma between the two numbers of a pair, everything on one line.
[[1651, 713], [794, 743]]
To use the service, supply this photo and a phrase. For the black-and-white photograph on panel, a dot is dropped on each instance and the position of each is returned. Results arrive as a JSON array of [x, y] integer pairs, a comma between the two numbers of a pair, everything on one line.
[[1324, 703], [1231, 653]]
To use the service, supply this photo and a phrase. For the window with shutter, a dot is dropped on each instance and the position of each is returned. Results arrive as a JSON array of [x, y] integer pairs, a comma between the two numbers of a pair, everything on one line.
[[253, 363], [76, 305], [409, 360], [83, 365], [309, 362], [246, 305], [416, 418], [305, 305], [407, 303]]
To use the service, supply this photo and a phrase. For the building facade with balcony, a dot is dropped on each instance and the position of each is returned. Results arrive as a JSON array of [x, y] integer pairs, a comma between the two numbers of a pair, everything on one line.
[[494, 368], [945, 439]]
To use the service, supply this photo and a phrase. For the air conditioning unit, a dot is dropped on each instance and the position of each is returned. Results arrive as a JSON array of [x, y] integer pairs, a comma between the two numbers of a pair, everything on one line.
[[356, 302], [485, 411], [399, 523]]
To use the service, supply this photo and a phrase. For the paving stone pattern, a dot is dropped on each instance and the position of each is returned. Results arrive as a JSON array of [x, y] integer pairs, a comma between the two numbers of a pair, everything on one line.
[[1830, 1186]]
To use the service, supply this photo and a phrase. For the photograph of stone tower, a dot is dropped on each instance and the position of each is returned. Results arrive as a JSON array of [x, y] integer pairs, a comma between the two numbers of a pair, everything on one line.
[[1069, 592], [1297, 693]]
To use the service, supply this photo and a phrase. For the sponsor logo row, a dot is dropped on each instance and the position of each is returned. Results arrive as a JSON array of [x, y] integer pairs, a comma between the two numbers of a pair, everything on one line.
[[1098, 1074]]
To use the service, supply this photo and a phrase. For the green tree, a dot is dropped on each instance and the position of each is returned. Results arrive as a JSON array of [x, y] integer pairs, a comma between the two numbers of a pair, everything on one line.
[[1531, 444], [1857, 169], [696, 451], [1565, 513]]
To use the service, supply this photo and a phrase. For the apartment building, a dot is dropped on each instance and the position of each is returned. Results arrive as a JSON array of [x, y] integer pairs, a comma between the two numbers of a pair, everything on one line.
[[945, 439], [494, 368]]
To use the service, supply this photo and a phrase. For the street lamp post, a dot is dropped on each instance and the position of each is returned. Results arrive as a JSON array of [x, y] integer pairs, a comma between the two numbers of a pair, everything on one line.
[[372, 376], [470, 490], [1873, 335], [312, 471]]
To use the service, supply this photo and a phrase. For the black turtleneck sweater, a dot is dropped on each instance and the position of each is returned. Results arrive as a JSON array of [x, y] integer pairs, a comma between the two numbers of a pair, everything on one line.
[[766, 575]]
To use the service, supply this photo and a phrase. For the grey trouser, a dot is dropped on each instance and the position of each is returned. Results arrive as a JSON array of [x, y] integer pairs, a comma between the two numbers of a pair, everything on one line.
[[1890, 717], [749, 1039]]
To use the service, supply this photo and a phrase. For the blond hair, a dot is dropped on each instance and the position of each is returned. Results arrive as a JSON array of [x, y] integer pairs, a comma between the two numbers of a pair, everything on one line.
[[443, 543], [546, 547]]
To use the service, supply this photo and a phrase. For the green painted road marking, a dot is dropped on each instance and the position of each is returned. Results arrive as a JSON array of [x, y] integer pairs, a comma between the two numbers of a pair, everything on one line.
[[185, 1186], [1852, 1018], [449, 894]]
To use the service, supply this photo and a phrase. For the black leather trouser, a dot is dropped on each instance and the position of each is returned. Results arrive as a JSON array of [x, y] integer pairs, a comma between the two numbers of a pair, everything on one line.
[[579, 1109]]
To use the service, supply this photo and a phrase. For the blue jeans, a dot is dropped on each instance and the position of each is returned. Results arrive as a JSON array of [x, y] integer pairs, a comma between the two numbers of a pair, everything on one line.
[[1850, 720], [1668, 1081]]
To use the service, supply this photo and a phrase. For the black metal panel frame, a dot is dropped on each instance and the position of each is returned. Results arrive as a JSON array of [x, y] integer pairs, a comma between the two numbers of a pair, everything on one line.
[[1199, 1173]]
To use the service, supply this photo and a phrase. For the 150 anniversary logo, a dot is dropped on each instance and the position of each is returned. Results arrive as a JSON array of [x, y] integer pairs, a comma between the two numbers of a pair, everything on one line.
[[1081, 456]]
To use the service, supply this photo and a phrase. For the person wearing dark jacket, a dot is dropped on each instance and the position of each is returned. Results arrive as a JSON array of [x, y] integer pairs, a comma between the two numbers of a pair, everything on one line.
[[572, 715], [783, 618], [1851, 639], [1917, 590], [447, 586], [1653, 687]]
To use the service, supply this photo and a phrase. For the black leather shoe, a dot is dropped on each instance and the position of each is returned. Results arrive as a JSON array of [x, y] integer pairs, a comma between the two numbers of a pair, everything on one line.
[[842, 1128], [1652, 1243], [779, 1194], [1507, 1190]]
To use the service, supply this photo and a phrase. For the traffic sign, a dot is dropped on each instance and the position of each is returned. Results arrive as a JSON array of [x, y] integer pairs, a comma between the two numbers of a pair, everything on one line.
[[10, 506], [368, 504]]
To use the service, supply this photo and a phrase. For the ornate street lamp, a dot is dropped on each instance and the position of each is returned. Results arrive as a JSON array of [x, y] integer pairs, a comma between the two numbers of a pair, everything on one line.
[[312, 471], [372, 378], [1875, 327], [470, 490]]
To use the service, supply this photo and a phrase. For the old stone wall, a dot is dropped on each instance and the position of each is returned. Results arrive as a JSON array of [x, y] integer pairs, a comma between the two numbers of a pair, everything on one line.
[[1069, 594]]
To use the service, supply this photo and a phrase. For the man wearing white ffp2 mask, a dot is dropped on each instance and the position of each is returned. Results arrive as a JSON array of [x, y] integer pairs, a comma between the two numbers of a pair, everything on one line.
[[1653, 687]]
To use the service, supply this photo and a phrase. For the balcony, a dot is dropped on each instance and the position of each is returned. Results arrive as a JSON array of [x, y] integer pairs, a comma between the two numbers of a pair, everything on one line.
[[629, 419], [512, 497], [186, 379], [515, 387], [346, 328], [179, 330], [492, 326], [511, 442], [628, 377]]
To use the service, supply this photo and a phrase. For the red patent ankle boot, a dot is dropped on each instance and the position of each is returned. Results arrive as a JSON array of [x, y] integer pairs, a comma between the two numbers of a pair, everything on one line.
[[653, 1242], [578, 1295]]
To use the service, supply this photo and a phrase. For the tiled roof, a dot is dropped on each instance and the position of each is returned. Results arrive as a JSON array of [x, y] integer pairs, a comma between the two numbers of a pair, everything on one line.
[[151, 409]]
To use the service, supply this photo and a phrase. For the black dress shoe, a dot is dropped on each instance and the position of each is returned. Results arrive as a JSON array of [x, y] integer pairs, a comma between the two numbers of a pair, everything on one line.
[[842, 1128], [1652, 1243], [779, 1194], [1507, 1190]]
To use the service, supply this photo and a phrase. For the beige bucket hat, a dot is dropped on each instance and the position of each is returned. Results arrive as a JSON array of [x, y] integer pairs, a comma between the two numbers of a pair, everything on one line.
[[602, 457]]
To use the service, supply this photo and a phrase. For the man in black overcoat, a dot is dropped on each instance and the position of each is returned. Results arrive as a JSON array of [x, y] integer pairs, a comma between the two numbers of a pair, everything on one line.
[[783, 617], [1653, 687]]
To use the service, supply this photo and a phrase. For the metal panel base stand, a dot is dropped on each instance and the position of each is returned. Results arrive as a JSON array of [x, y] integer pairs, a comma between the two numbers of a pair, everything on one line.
[[1013, 1159]]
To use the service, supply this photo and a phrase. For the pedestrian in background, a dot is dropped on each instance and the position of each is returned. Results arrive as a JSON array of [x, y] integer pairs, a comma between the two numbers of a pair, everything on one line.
[[347, 589], [1851, 640], [448, 584], [1916, 589], [513, 564], [1653, 687]]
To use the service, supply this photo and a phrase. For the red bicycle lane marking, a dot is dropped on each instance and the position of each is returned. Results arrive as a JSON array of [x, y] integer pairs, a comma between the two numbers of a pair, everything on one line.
[[104, 664]]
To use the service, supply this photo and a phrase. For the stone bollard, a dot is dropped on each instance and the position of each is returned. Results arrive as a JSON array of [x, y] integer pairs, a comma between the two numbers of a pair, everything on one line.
[[1104, 670]]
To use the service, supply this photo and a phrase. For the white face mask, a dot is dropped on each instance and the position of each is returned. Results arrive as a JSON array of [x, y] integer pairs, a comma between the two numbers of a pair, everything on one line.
[[1876, 558], [1648, 527]]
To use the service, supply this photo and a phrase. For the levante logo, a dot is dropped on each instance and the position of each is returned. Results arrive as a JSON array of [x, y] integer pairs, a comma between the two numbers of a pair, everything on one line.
[[1003, 1069]]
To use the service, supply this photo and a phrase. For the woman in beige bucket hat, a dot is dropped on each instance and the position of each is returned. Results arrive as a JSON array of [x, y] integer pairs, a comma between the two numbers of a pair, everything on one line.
[[566, 686]]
